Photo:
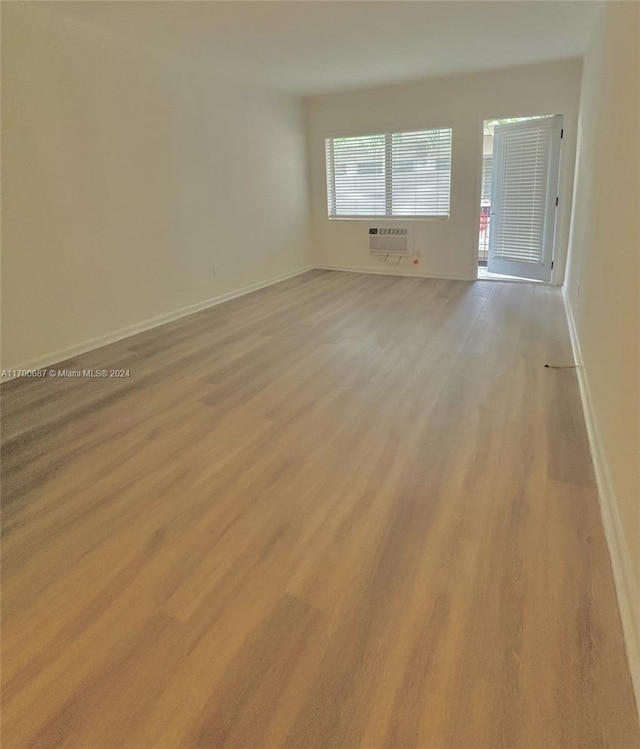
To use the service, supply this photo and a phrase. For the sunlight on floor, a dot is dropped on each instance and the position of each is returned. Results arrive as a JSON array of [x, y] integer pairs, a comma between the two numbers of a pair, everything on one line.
[[484, 275]]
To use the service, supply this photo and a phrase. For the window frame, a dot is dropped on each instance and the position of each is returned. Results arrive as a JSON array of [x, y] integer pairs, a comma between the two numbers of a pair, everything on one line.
[[387, 216]]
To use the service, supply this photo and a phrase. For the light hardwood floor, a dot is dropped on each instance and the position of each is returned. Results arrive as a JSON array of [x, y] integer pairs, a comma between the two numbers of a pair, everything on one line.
[[342, 512]]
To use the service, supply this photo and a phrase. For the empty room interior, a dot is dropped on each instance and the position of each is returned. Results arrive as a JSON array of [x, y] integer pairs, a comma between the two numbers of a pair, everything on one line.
[[320, 374]]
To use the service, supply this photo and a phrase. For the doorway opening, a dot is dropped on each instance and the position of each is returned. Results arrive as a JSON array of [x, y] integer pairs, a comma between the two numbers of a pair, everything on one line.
[[520, 165]]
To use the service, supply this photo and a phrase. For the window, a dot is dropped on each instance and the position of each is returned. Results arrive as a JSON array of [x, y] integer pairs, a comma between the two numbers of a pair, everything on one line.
[[393, 174]]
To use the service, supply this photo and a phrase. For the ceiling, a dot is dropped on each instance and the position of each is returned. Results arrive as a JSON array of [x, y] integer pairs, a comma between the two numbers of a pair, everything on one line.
[[308, 47]]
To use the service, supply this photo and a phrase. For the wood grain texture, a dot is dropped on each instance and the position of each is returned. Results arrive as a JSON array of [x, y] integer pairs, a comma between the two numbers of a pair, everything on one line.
[[345, 511]]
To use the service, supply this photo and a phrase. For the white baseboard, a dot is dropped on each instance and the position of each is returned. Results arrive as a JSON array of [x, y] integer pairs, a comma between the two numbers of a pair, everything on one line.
[[153, 322], [392, 271], [628, 598]]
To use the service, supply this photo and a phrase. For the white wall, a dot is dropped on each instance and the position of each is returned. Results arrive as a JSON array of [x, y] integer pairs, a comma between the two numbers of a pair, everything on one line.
[[448, 248], [603, 288], [126, 175]]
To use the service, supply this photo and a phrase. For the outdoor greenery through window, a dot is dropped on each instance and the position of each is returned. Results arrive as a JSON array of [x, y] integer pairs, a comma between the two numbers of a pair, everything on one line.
[[392, 174]]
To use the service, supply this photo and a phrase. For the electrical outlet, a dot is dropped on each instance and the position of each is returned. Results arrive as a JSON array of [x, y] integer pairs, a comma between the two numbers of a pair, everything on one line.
[[214, 270]]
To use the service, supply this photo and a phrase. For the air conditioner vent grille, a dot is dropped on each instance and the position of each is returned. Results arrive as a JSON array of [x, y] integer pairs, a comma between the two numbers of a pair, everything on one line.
[[389, 241]]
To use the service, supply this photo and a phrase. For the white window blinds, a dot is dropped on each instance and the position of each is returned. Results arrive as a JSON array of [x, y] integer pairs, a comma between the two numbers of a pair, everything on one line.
[[393, 174], [356, 176]]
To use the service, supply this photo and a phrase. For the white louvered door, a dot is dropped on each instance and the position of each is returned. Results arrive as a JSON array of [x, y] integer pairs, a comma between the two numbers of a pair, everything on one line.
[[526, 160]]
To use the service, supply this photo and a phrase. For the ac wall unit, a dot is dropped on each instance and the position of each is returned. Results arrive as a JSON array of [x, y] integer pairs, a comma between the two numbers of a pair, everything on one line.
[[395, 241]]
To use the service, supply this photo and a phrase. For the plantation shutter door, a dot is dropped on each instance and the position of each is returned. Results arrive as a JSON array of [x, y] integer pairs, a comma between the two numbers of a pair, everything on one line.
[[523, 197]]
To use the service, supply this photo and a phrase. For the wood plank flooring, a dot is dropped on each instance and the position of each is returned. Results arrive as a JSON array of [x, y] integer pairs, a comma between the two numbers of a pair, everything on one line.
[[343, 512]]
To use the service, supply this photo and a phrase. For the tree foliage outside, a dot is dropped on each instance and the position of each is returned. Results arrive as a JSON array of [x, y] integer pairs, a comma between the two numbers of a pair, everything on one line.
[[490, 124]]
